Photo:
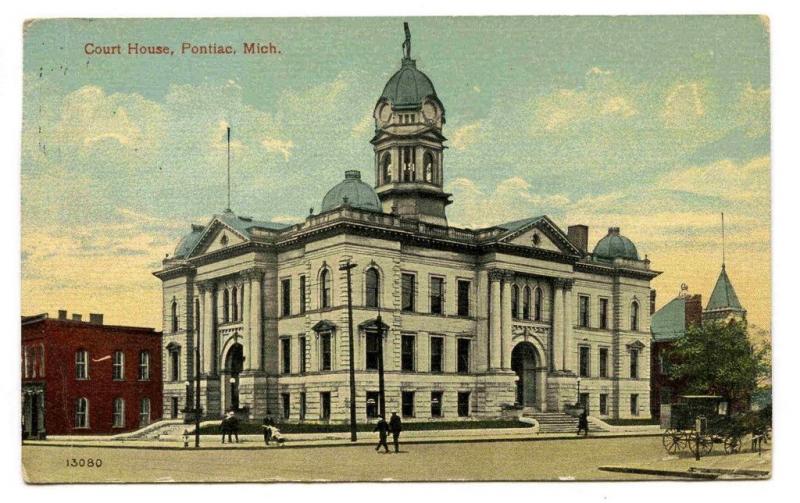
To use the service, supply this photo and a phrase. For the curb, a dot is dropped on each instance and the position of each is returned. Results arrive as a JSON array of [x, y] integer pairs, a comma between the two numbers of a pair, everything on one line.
[[663, 473]]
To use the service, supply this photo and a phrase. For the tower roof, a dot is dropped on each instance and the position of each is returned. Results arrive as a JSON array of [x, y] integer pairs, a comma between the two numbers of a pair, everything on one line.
[[615, 245], [408, 87], [351, 191], [723, 296]]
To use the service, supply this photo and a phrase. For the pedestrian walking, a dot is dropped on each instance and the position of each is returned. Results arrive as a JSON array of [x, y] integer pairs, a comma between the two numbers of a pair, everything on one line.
[[227, 427], [383, 429], [185, 439], [266, 426], [583, 424], [396, 426]]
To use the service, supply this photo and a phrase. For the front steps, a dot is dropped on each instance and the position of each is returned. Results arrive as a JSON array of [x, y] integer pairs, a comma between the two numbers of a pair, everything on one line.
[[558, 422]]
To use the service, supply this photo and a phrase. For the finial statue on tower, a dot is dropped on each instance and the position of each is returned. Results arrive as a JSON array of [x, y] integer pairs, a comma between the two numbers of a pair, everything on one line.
[[407, 43]]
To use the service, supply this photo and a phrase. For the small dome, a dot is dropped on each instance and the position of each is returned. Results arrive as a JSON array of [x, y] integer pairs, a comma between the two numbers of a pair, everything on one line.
[[615, 245], [353, 192], [188, 241], [408, 87]]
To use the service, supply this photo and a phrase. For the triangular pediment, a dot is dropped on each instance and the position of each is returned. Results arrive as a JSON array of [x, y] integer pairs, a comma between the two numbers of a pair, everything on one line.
[[217, 236], [540, 233]]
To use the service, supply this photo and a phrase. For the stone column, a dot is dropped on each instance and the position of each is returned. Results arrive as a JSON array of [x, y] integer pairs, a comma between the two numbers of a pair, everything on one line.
[[482, 316], [569, 322], [207, 339], [558, 324], [255, 321], [245, 293], [507, 319], [495, 319]]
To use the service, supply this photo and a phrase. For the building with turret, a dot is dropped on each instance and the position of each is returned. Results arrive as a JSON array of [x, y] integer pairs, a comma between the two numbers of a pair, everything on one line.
[[470, 322]]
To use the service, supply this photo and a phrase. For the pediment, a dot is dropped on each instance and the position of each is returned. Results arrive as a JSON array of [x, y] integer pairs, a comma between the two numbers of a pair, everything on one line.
[[543, 234], [218, 235]]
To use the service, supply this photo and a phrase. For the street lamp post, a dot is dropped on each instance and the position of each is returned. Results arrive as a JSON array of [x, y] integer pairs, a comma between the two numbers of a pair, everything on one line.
[[197, 397], [349, 267]]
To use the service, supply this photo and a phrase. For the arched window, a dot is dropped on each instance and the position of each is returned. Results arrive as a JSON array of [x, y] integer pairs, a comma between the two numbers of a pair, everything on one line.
[[325, 288], [515, 301], [428, 166], [386, 167], [144, 366], [526, 303], [81, 413], [372, 281], [174, 315], [119, 413], [537, 304], [634, 315], [234, 304], [226, 314], [81, 364]]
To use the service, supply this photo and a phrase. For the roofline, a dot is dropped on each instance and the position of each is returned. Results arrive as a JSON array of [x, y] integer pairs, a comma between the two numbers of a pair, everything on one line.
[[44, 317]]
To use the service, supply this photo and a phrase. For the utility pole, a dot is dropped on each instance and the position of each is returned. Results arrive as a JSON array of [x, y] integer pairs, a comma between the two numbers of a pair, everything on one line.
[[349, 267], [197, 397], [381, 387]]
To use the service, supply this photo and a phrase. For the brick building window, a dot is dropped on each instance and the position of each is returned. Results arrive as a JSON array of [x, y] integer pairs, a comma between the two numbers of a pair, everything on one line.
[[144, 365], [118, 366], [81, 364], [119, 413], [81, 413], [144, 412]]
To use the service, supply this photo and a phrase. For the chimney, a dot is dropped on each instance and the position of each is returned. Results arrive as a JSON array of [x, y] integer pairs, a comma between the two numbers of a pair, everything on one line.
[[579, 236], [652, 301], [96, 318], [62, 314], [76, 317], [694, 310]]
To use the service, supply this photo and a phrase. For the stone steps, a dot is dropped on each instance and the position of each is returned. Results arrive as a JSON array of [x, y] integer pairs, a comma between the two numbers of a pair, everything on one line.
[[557, 422]]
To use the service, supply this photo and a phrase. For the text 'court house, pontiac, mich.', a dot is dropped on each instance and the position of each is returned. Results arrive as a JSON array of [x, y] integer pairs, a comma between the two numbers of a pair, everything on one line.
[[471, 322]]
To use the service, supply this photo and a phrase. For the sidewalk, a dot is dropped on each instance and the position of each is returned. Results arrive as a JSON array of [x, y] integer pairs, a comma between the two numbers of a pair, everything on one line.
[[310, 440], [715, 466]]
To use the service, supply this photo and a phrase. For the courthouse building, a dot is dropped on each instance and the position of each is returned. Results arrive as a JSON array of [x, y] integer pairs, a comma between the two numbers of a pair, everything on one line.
[[473, 321]]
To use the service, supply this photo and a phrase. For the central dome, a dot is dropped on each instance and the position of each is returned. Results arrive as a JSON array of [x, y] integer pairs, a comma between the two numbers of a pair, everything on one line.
[[615, 245], [351, 191], [408, 87]]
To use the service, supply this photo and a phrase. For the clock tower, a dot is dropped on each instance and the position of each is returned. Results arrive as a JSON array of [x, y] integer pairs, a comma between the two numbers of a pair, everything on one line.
[[409, 145]]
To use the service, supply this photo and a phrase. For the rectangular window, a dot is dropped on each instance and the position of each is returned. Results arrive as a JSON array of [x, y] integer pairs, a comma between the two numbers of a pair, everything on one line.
[[634, 363], [286, 297], [81, 364], [118, 366], [437, 295], [286, 356], [463, 403], [437, 352], [603, 362], [603, 313], [174, 365], [119, 413], [373, 404], [463, 297], [302, 405], [407, 353], [325, 352], [325, 405], [408, 293], [302, 294], [407, 399], [302, 355], [82, 413], [436, 403], [144, 412], [286, 405], [373, 351], [634, 405], [462, 365], [584, 355], [603, 404], [144, 366], [583, 316]]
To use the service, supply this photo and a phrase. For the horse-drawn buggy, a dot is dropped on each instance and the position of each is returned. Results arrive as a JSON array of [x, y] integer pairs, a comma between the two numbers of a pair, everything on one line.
[[697, 422]]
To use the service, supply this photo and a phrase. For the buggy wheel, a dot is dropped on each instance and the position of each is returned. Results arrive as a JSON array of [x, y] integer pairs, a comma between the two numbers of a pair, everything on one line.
[[733, 444], [673, 441], [706, 444]]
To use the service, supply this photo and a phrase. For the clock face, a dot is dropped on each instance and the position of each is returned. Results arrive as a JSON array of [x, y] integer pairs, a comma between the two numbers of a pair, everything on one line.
[[430, 110], [383, 113]]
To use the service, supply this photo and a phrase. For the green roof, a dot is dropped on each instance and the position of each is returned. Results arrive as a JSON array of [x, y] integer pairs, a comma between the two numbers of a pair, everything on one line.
[[408, 86], [669, 322], [723, 296], [352, 191], [615, 245]]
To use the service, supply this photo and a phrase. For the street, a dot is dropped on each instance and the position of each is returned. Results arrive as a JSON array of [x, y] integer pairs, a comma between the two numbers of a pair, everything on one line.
[[511, 460]]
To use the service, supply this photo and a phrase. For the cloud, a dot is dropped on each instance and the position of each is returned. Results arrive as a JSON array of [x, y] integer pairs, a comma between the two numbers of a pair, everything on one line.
[[465, 136], [281, 146], [684, 105], [566, 109], [752, 110], [749, 181]]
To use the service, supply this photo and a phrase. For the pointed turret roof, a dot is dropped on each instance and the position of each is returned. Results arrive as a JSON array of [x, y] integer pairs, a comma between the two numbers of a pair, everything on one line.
[[724, 296]]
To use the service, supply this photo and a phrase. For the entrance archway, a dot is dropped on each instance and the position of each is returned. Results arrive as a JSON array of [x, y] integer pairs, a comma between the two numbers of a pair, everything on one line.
[[524, 362], [234, 362]]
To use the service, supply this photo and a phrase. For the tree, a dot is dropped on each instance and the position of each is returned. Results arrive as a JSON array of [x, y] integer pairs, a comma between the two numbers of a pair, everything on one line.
[[718, 358]]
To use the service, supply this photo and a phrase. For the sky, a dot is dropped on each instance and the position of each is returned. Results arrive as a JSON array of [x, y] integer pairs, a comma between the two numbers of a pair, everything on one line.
[[652, 124]]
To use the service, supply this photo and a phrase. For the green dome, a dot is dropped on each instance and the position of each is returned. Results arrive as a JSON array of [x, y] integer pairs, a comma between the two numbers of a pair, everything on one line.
[[353, 192], [615, 245], [408, 86]]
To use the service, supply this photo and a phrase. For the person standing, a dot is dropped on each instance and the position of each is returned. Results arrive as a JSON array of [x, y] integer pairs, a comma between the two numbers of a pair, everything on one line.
[[396, 426], [267, 427], [583, 424], [383, 429]]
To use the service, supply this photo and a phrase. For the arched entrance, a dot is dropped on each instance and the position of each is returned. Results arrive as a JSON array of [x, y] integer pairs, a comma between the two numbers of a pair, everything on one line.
[[234, 362], [524, 362]]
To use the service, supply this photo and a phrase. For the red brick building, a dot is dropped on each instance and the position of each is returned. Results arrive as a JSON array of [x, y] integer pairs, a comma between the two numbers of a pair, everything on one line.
[[87, 378]]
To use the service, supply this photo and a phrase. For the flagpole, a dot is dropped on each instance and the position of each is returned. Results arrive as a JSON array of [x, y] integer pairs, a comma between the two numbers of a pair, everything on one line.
[[229, 167]]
